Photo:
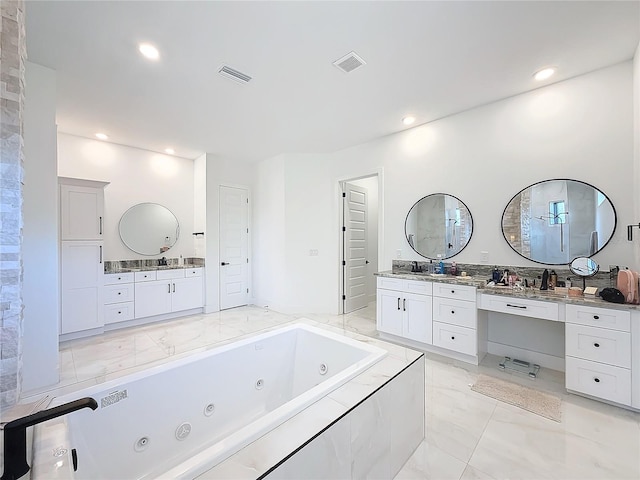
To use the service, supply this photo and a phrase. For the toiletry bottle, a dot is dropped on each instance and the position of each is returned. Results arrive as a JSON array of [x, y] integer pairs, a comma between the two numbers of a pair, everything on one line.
[[495, 275], [441, 267], [544, 283], [454, 269], [567, 282], [431, 270], [553, 279]]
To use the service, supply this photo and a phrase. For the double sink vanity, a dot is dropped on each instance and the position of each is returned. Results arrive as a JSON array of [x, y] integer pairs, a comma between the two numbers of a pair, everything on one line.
[[462, 318]]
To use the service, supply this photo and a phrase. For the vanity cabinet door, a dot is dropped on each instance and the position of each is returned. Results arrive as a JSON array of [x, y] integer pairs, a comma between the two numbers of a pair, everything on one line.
[[152, 298], [389, 317], [417, 311], [81, 212], [186, 293]]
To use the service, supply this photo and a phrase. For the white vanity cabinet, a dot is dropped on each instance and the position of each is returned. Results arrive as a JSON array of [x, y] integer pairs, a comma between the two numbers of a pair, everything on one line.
[[166, 291], [598, 352], [404, 308], [81, 209], [118, 297], [455, 318]]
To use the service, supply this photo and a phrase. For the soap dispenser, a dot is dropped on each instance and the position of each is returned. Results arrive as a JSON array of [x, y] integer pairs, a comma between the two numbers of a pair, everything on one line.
[[495, 275], [553, 280], [441, 267]]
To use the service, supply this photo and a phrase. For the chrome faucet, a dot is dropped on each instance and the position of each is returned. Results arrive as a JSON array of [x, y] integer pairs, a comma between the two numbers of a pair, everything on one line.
[[15, 435]]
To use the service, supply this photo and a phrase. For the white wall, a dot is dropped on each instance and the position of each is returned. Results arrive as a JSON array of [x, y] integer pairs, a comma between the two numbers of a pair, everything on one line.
[[371, 184], [135, 176], [636, 154], [580, 128], [200, 204], [40, 232]]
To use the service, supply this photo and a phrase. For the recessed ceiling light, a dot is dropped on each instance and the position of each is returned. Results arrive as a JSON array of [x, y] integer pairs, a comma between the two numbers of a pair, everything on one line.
[[170, 151], [408, 120], [101, 136], [544, 73], [149, 51]]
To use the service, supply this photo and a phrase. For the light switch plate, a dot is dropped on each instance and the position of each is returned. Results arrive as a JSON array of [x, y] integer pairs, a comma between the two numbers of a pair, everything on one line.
[[590, 290]]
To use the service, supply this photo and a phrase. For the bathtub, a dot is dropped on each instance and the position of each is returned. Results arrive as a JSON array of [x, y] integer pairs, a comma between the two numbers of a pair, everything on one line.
[[180, 419]]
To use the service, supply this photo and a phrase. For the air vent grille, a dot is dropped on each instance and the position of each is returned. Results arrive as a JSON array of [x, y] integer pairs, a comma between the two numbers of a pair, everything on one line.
[[235, 75], [349, 62]]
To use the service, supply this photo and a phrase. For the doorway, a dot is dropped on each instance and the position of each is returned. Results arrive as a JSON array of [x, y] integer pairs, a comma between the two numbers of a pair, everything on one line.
[[359, 243], [234, 246]]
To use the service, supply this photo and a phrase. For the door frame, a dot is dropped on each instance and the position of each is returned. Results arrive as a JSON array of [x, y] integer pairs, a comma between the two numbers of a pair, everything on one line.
[[249, 235], [340, 181]]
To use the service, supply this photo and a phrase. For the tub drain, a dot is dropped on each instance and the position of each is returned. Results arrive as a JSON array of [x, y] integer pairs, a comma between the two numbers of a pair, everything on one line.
[[183, 431], [323, 368], [141, 444], [208, 410], [259, 384]]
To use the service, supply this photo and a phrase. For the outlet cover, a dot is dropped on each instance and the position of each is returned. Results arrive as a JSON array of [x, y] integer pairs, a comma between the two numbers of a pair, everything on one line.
[[398, 253], [484, 256]]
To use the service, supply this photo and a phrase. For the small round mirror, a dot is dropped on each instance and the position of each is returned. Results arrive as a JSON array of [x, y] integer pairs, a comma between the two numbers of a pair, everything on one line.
[[438, 226], [584, 267], [149, 229]]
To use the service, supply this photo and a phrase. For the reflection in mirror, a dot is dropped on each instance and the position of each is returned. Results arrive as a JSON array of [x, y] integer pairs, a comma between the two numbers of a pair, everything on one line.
[[555, 221], [438, 226], [149, 229], [584, 267]]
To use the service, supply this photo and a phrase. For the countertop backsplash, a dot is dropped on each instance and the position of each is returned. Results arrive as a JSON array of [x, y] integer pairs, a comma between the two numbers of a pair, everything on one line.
[[117, 266], [602, 279]]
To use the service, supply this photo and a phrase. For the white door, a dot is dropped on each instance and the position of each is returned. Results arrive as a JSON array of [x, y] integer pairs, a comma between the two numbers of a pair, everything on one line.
[[234, 247], [355, 247]]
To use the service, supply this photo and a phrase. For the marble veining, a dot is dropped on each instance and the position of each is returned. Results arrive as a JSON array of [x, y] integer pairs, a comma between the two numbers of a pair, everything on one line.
[[124, 266]]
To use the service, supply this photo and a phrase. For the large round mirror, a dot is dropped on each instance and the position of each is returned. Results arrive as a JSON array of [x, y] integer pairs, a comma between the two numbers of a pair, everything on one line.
[[555, 221], [149, 229], [438, 226]]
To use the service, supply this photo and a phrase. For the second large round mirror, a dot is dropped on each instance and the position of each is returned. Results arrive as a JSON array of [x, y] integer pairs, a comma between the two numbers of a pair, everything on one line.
[[555, 221], [149, 229], [438, 226]]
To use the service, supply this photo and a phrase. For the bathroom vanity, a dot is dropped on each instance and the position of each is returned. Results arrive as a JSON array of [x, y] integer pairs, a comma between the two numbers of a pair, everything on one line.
[[600, 351]]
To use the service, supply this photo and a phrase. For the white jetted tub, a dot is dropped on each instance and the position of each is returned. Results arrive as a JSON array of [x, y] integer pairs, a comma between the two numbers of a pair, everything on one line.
[[180, 419]]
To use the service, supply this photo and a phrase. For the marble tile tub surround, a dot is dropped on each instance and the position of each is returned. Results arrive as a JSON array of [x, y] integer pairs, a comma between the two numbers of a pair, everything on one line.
[[602, 279], [119, 266]]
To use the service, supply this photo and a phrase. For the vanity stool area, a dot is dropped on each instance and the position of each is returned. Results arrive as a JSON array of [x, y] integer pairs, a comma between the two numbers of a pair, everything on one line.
[[596, 344]]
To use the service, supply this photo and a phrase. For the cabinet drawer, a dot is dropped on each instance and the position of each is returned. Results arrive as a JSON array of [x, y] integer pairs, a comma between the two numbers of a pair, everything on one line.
[[599, 317], [456, 312], [118, 312], [115, 278], [403, 285], [169, 274], [598, 344], [599, 380], [193, 272], [460, 292], [145, 276], [118, 293], [454, 337], [390, 283], [520, 306]]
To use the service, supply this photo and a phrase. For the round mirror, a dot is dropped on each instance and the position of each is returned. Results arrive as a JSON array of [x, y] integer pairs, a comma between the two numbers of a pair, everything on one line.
[[149, 229], [438, 226], [584, 267], [555, 221]]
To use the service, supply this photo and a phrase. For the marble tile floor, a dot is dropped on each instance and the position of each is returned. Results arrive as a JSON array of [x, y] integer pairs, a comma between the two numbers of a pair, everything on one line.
[[468, 435]]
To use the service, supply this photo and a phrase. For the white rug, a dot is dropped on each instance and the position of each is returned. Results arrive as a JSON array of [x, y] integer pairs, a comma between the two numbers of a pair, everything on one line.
[[543, 404]]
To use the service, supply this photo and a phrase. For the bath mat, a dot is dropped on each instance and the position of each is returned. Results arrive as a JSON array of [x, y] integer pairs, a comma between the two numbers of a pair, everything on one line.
[[534, 401]]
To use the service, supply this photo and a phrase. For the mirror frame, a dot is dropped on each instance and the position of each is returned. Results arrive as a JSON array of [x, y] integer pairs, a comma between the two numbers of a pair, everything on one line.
[[127, 244], [613, 231], [406, 236]]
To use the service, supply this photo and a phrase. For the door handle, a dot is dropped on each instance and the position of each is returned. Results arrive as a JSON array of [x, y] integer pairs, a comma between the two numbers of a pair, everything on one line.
[[404, 304], [100, 253], [224, 263], [100, 227], [366, 262], [398, 303], [174, 288], [169, 285]]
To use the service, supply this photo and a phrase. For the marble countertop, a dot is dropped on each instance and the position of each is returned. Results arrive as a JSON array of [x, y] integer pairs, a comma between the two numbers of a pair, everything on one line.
[[150, 268], [530, 293]]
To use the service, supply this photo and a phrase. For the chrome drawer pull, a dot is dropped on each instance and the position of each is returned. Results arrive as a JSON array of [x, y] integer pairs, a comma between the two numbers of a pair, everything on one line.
[[517, 306]]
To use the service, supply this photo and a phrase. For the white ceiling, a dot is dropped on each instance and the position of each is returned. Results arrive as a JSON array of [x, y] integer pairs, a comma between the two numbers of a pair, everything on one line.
[[431, 59]]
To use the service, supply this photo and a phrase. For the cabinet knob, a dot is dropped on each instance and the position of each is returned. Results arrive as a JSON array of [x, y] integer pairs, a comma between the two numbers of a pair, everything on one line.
[[453, 311], [596, 345], [119, 293], [119, 278], [453, 338], [597, 380], [119, 313], [453, 291], [596, 317]]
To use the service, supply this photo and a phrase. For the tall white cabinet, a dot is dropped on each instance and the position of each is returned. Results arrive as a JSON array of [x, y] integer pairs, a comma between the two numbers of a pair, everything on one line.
[[82, 254]]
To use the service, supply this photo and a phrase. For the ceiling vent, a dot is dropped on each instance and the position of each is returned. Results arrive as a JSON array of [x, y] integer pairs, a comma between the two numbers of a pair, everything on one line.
[[349, 62], [234, 75]]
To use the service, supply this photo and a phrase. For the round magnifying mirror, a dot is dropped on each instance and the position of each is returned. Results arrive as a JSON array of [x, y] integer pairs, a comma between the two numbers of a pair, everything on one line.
[[438, 226], [149, 229], [584, 267]]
